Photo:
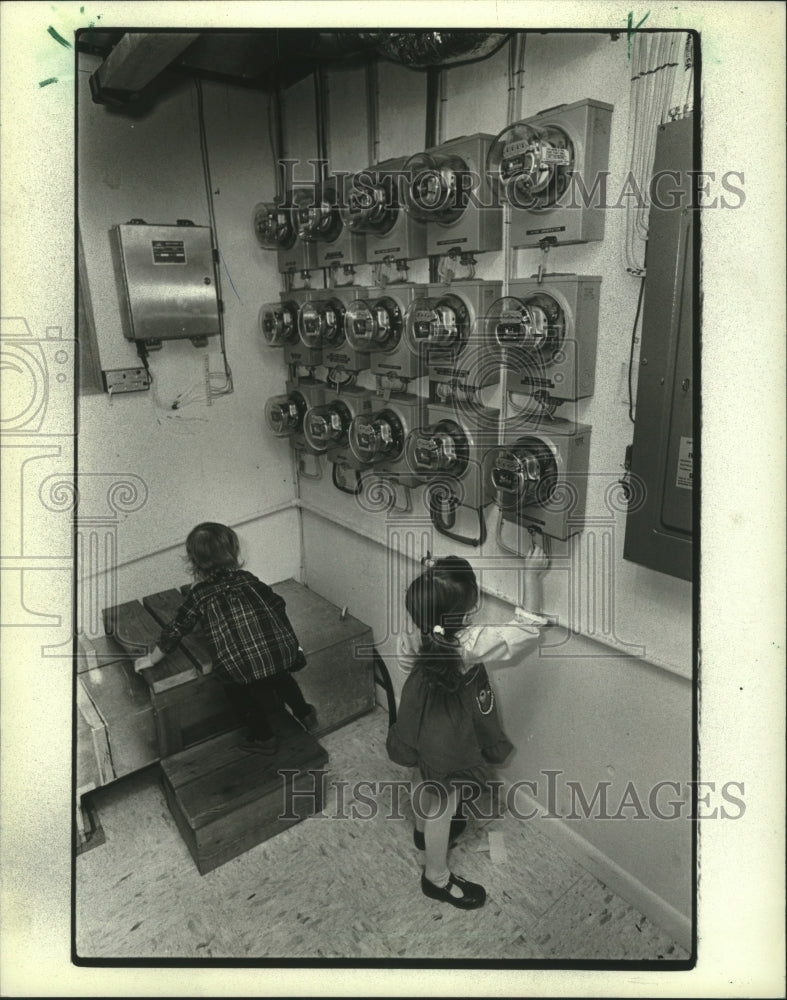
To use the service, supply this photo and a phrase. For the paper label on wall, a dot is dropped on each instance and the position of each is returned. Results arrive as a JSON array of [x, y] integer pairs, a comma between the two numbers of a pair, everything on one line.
[[685, 478]]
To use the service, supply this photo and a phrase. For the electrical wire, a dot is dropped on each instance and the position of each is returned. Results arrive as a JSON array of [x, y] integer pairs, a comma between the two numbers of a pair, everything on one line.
[[227, 387], [633, 341]]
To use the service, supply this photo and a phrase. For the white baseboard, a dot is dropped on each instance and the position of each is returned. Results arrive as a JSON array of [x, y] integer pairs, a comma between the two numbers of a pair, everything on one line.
[[620, 881]]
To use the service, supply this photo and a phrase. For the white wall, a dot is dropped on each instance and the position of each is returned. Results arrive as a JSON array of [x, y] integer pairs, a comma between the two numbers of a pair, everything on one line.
[[200, 462], [613, 702]]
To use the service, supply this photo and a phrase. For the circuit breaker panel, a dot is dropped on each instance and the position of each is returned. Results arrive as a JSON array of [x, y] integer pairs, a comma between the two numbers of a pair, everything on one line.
[[168, 280], [659, 522]]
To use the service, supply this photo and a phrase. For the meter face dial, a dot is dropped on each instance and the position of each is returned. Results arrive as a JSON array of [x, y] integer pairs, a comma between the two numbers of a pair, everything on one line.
[[535, 324], [525, 473], [278, 323], [376, 437], [284, 414], [321, 323], [439, 448], [327, 425], [437, 187], [533, 163]]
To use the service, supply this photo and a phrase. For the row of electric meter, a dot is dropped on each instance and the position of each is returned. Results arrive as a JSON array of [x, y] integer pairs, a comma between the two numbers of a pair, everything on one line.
[[547, 168], [537, 474], [544, 332]]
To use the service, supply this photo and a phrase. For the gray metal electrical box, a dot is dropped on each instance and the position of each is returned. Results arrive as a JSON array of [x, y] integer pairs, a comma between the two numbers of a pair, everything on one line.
[[659, 525], [168, 281]]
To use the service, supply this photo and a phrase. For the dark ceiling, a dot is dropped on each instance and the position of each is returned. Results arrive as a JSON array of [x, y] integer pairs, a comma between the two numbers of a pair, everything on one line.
[[136, 63]]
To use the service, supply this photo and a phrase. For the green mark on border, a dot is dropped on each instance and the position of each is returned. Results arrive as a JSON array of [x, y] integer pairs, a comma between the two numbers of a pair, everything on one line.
[[45, 83], [634, 27], [58, 37]]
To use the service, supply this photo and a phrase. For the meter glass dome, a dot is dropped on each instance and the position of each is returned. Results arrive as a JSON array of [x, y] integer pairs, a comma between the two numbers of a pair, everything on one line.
[[370, 205], [525, 473], [278, 323], [536, 324], [273, 226], [315, 215], [321, 322], [532, 165], [372, 326], [443, 322], [326, 425], [284, 414], [439, 448], [375, 438], [437, 187]]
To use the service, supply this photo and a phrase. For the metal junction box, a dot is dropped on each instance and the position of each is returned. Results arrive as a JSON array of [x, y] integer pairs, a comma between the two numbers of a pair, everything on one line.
[[168, 281]]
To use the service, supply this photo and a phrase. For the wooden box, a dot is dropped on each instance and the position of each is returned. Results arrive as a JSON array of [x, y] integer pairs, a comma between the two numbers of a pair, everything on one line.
[[339, 677], [226, 800]]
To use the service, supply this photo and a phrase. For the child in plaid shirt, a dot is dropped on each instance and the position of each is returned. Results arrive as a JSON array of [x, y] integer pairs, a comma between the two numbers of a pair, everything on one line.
[[251, 639]]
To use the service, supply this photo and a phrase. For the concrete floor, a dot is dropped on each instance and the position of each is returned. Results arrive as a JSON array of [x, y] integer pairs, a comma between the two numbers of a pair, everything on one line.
[[342, 888]]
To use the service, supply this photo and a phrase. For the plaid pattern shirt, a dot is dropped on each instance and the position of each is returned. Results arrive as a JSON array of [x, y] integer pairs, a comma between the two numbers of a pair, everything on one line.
[[248, 631]]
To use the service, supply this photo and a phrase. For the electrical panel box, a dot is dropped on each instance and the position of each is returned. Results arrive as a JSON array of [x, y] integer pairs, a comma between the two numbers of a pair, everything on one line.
[[539, 477], [448, 188], [372, 207], [548, 168], [659, 523], [168, 281], [548, 330]]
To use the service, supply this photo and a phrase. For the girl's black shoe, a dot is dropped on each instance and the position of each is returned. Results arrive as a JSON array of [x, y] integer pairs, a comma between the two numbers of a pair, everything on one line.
[[457, 828], [473, 895]]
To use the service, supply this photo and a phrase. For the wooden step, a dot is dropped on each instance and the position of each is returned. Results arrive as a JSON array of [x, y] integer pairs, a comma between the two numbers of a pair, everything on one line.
[[226, 800], [137, 631]]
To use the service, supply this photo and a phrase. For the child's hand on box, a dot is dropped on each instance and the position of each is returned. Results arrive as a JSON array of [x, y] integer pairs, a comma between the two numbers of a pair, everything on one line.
[[143, 663], [536, 560]]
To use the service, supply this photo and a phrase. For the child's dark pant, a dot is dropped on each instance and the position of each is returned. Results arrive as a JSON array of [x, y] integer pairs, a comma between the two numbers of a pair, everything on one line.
[[253, 702]]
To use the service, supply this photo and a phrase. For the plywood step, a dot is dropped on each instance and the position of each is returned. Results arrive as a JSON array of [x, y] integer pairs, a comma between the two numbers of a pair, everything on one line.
[[226, 800]]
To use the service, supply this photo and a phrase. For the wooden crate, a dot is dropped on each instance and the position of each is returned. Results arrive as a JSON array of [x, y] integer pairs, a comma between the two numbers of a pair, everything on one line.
[[137, 631], [226, 800], [339, 677]]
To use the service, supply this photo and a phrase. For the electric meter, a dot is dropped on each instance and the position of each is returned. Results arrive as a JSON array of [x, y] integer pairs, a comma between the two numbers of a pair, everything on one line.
[[285, 414], [327, 425], [551, 168], [548, 328], [373, 326], [273, 226], [370, 203], [540, 477], [315, 215], [448, 190], [278, 323], [376, 437], [536, 324], [438, 448], [525, 473], [533, 165], [321, 322], [438, 322], [437, 187]]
